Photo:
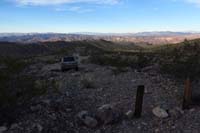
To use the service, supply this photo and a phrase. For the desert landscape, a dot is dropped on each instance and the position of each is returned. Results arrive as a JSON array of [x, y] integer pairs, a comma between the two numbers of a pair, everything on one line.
[[100, 97], [99, 66]]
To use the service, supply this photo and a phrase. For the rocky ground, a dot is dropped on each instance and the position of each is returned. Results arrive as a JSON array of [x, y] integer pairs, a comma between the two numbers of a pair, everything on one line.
[[99, 99]]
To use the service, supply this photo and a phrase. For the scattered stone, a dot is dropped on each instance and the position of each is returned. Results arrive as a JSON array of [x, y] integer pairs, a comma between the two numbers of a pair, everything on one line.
[[180, 110], [47, 101], [176, 113], [86, 119], [98, 131], [133, 80], [3, 129], [173, 113], [36, 108], [108, 114], [144, 123], [68, 109], [146, 69], [39, 127], [129, 114], [161, 113], [192, 110], [173, 127], [13, 126], [147, 91], [82, 114], [76, 74], [90, 122], [157, 130]]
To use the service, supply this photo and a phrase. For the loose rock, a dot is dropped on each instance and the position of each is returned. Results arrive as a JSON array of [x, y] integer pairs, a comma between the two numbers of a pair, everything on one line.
[[86, 119], [161, 113], [3, 129], [39, 127], [129, 114], [108, 114], [90, 122]]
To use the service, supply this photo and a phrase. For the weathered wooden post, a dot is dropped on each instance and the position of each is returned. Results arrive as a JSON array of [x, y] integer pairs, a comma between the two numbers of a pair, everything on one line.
[[187, 94], [139, 101]]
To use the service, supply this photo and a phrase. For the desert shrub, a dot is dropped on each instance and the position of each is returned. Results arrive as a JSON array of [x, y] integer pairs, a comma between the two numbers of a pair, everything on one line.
[[29, 87], [45, 86], [116, 60], [16, 94], [20, 90], [118, 70], [87, 83], [17, 88], [182, 61], [51, 61]]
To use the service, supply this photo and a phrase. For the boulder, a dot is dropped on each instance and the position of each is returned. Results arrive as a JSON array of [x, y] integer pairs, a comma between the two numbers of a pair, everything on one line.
[[159, 112], [108, 114]]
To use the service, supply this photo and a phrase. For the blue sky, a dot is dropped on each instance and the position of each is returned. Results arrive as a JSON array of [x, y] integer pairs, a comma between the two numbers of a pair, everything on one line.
[[113, 16]]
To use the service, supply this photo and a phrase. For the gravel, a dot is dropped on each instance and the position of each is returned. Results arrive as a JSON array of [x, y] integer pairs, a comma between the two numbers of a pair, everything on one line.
[[56, 112]]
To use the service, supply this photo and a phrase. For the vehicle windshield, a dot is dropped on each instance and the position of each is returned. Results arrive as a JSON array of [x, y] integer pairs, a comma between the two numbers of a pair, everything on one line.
[[68, 59]]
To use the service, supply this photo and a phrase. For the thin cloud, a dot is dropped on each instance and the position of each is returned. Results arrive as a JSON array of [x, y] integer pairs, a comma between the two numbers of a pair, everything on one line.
[[59, 2], [194, 1], [76, 9]]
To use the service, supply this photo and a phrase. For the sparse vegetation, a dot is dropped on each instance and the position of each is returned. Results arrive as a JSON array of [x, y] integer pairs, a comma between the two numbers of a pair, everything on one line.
[[54, 95], [182, 61], [118, 60], [17, 88], [87, 83]]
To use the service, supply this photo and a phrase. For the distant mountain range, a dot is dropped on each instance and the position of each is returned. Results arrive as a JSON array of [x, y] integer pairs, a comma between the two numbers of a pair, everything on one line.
[[142, 37]]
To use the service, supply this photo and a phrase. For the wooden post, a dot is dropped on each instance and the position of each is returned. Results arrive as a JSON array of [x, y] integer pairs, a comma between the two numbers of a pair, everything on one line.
[[187, 94], [139, 101]]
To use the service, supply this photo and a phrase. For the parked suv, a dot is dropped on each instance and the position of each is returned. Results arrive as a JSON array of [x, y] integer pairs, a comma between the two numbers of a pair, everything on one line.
[[69, 62]]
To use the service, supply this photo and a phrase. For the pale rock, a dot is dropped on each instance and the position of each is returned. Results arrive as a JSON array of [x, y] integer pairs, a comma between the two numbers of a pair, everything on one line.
[[157, 130], [3, 129], [13, 126], [129, 114], [143, 123], [39, 127], [192, 110], [161, 113]]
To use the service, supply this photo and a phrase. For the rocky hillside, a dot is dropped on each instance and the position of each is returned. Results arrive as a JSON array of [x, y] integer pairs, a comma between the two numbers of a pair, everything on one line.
[[36, 96], [61, 47]]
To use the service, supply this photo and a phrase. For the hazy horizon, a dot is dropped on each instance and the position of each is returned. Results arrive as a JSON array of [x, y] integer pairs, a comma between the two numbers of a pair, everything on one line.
[[98, 32]]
